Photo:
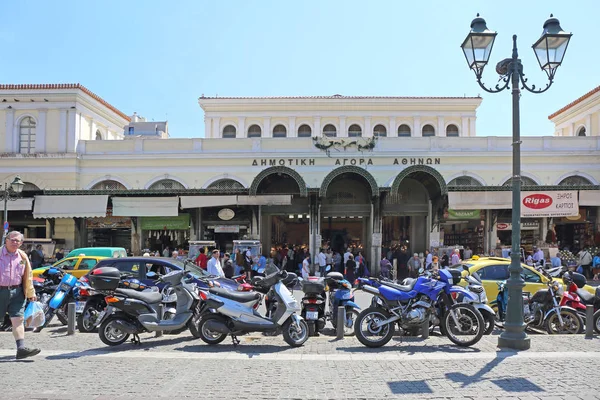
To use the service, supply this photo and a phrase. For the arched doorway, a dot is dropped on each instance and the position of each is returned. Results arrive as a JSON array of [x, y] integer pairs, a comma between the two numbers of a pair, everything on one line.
[[346, 212], [282, 226], [410, 208]]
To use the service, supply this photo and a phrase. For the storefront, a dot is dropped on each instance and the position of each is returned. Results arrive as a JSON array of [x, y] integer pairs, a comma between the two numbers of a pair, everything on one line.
[[576, 232], [108, 232], [530, 234], [161, 232], [224, 225], [463, 228]]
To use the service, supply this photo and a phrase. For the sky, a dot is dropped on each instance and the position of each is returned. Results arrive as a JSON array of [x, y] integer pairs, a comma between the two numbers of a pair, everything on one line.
[[157, 57]]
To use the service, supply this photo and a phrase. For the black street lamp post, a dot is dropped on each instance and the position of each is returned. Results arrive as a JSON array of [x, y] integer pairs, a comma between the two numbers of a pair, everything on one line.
[[550, 50], [12, 193]]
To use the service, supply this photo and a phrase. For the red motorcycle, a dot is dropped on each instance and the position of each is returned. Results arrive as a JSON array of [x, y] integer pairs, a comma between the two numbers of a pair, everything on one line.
[[578, 298]]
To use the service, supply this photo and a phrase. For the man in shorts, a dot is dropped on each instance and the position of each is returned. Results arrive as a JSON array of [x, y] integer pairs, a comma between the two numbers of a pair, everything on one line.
[[16, 284]]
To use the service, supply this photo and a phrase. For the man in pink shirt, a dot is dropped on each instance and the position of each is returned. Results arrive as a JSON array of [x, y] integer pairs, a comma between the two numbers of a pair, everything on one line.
[[16, 284]]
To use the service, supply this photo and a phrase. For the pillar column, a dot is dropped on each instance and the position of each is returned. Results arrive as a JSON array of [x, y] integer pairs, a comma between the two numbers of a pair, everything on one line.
[[317, 126], [393, 128], [441, 128], [472, 131], [40, 132], [267, 127], [207, 127], [292, 127], [62, 132], [71, 130], [216, 130], [241, 131], [343, 131], [588, 124], [368, 130], [10, 127], [417, 127], [572, 129], [93, 128], [464, 128]]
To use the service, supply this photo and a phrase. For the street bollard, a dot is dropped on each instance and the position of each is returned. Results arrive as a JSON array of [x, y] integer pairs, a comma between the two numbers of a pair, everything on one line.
[[341, 322], [160, 317], [425, 328], [71, 318], [589, 321]]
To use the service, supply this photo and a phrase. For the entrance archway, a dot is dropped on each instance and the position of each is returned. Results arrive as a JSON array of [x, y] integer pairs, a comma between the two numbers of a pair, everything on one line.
[[345, 217], [281, 172]]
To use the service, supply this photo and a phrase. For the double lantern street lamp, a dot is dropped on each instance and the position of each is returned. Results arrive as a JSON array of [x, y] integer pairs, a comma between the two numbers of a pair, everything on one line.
[[11, 193], [549, 50]]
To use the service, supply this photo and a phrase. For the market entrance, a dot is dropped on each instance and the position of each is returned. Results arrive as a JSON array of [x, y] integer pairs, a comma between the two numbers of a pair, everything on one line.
[[282, 225], [346, 211]]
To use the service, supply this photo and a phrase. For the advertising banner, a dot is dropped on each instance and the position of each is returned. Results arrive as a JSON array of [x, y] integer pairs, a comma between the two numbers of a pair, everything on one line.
[[180, 222], [462, 214], [549, 204]]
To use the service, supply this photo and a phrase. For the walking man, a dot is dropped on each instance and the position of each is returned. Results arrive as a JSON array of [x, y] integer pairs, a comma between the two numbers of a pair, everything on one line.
[[213, 267], [322, 259], [16, 284]]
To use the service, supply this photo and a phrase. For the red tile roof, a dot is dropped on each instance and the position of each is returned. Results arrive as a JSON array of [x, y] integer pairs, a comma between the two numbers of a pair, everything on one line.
[[336, 96], [575, 102], [65, 86]]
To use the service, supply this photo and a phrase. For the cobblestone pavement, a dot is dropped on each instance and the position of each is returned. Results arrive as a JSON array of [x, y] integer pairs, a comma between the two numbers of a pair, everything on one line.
[[178, 366]]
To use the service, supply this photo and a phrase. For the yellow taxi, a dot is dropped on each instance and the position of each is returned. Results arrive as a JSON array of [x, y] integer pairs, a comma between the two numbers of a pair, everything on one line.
[[77, 266], [492, 270]]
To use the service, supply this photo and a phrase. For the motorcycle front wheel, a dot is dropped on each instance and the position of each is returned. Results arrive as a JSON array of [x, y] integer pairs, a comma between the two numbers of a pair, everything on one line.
[[572, 323], [464, 325], [489, 321], [295, 336], [366, 330], [208, 336], [86, 321]]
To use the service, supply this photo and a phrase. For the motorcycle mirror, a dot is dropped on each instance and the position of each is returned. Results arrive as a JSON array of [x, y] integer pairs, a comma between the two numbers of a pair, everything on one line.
[[151, 275], [465, 267], [328, 268]]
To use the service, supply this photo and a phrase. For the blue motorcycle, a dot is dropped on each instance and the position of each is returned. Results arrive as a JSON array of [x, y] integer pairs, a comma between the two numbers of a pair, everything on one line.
[[65, 292], [418, 304]]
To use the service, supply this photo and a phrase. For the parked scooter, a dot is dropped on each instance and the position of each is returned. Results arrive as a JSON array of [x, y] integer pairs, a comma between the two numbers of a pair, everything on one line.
[[131, 312], [542, 311], [64, 293], [234, 313], [475, 287], [579, 298]]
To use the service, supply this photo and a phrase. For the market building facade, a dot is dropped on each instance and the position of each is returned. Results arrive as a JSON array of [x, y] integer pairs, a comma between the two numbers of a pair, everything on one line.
[[360, 172]]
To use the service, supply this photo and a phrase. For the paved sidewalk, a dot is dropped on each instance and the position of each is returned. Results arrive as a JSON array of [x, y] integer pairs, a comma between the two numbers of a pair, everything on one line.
[[260, 367]]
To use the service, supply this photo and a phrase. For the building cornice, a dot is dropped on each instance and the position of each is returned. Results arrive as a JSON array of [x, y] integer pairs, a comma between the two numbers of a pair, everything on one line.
[[576, 102]]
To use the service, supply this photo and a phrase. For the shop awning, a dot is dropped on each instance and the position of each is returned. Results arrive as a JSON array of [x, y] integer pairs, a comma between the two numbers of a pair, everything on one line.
[[145, 206], [589, 198], [480, 200], [265, 200], [20, 204], [68, 206], [207, 201]]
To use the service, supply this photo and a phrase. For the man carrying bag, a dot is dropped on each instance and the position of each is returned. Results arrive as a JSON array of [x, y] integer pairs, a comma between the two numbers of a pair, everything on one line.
[[16, 285]]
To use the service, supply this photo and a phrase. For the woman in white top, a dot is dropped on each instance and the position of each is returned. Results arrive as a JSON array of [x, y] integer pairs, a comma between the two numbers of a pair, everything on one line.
[[306, 267]]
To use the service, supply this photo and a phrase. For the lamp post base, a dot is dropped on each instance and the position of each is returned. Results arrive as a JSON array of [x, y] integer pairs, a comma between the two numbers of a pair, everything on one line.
[[518, 341]]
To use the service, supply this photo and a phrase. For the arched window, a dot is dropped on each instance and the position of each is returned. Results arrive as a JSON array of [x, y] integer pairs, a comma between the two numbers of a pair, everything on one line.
[[404, 130], [225, 184], [304, 131], [452, 130], [354, 131], [254, 131], [108, 185], [525, 181], [428, 131], [464, 181], [581, 131], [98, 135], [166, 184], [575, 180], [279, 131], [27, 136], [30, 187], [329, 130], [379, 130], [229, 132]]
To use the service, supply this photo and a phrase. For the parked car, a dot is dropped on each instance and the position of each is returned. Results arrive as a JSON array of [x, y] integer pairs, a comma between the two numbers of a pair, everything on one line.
[[492, 270], [76, 266], [139, 267], [99, 252]]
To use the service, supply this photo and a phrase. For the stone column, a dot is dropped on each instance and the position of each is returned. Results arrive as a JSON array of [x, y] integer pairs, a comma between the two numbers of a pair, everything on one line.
[[417, 127], [216, 130], [393, 128], [368, 130], [93, 128], [207, 127], [464, 129], [441, 128], [40, 132], [317, 126], [588, 124], [71, 131], [10, 134], [343, 130], [472, 129], [241, 131], [267, 127], [62, 132], [292, 127]]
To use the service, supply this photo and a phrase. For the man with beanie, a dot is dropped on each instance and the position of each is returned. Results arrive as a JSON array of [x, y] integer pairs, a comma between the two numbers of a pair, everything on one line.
[[16, 285]]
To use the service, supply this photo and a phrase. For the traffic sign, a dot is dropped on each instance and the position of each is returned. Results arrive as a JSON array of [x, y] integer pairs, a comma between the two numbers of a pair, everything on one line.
[[5, 225]]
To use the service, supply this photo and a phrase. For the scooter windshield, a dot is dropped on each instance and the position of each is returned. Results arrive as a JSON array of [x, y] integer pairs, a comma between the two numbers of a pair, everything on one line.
[[271, 269]]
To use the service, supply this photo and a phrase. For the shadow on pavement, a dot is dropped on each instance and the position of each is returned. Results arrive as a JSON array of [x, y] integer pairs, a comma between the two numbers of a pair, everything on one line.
[[409, 387], [242, 348], [508, 384], [408, 347]]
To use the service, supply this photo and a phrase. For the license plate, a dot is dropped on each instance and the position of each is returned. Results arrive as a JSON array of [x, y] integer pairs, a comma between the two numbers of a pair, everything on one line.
[[312, 315], [79, 305], [65, 287]]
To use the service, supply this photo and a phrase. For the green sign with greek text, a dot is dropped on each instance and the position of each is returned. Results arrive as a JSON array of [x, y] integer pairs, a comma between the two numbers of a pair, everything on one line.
[[463, 214], [180, 222]]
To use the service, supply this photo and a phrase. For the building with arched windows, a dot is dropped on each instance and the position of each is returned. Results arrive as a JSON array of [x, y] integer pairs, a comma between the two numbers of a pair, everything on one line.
[[360, 172]]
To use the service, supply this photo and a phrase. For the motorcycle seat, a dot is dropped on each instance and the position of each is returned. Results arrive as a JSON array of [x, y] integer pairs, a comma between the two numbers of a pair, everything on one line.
[[585, 296], [148, 297], [403, 288], [242, 297]]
